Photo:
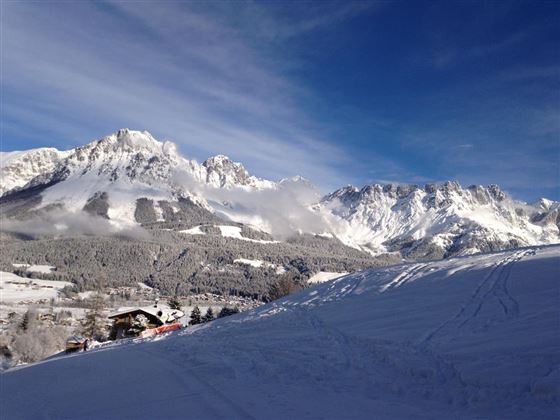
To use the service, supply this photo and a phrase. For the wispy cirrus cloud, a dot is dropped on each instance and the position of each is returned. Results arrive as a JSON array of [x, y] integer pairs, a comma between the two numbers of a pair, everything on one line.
[[338, 92], [183, 72], [446, 55]]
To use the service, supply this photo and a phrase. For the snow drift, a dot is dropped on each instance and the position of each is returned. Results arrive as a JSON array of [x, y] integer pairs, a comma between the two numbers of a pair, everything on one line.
[[471, 337]]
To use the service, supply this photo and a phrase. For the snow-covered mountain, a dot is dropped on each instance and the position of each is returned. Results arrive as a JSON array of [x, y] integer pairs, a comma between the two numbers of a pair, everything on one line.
[[125, 155], [221, 172], [131, 178], [108, 176], [18, 168], [438, 220], [468, 338]]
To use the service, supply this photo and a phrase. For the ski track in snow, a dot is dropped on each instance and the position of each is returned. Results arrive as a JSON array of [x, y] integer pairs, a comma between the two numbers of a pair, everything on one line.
[[405, 276], [495, 283]]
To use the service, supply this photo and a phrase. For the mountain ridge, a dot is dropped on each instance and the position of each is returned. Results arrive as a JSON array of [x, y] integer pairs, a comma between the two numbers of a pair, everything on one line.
[[113, 176], [445, 215]]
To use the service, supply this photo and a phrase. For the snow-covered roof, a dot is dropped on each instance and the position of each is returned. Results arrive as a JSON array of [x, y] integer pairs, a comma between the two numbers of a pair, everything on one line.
[[156, 311]]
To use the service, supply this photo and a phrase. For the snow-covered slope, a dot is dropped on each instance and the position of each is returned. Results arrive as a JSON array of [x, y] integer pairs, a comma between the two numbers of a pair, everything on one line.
[[18, 168], [17, 289], [438, 220], [472, 337]]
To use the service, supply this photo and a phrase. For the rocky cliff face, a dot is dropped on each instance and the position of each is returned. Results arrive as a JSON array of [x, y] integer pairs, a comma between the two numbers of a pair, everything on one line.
[[435, 221]]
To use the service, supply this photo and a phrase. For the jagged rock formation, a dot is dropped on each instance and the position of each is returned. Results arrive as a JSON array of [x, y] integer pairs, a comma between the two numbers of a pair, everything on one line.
[[437, 221]]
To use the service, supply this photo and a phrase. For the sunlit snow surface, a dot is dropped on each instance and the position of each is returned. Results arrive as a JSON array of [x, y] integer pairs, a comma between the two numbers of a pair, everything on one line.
[[36, 268], [473, 337], [193, 231], [235, 232], [323, 276], [14, 288]]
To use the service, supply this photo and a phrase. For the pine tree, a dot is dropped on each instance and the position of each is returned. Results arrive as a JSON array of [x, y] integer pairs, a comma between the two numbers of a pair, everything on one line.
[[195, 316], [223, 312], [228, 311], [209, 316], [24, 325]]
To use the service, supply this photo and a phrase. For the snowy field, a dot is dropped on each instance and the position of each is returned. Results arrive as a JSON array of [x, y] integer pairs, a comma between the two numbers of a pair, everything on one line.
[[323, 276], [469, 338], [227, 232], [235, 232], [44, 269], [258, 264], [193, 231], [14, 288]]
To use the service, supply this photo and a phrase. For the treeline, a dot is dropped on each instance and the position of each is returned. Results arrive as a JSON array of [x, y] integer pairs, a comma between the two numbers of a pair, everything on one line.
[[181, 264], [196, 316]]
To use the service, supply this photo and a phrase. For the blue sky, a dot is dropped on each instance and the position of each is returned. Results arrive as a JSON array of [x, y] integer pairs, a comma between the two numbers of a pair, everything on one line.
[[338, 92]]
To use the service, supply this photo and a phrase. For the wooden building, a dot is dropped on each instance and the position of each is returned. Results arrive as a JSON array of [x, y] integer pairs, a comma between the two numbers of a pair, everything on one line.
[[76, 343], [134, 322]]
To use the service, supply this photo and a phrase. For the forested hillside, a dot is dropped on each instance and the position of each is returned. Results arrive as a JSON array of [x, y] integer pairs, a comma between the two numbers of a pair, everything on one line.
[[179, 263]]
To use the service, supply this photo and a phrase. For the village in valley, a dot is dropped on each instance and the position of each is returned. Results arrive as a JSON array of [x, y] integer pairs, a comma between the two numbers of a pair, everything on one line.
[[40, 318]]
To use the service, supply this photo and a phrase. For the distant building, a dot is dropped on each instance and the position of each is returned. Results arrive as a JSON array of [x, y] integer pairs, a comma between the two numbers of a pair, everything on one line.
[[144, 321], [75, 343]]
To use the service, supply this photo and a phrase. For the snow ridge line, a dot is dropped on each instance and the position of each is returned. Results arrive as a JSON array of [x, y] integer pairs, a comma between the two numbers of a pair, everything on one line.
[[498, 277]]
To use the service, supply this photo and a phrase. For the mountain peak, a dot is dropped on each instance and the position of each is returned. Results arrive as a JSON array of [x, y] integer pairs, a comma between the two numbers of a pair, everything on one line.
[[222, 171], [129, 142], [297, 179], [221, 161], [219, 158], [496, 192], [126, 134], [134, 140]]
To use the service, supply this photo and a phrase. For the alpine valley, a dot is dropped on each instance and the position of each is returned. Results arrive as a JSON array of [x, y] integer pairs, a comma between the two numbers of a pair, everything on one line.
[[132, 209]]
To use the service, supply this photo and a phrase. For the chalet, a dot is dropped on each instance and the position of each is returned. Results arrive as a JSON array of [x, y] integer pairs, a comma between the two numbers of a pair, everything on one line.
[[76, 343], [144, 321]]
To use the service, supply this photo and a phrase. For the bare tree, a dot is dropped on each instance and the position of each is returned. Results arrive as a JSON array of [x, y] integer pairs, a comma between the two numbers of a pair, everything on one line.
[[283, 287]]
